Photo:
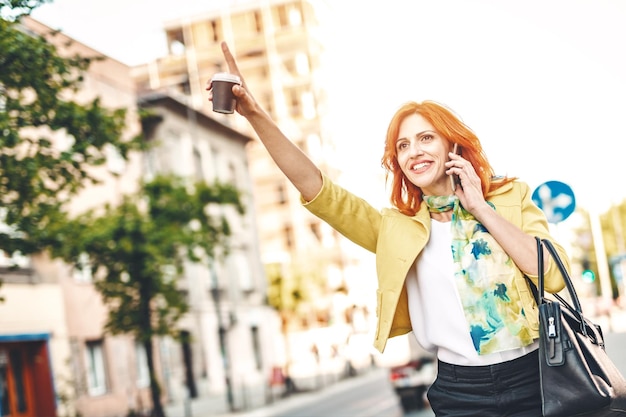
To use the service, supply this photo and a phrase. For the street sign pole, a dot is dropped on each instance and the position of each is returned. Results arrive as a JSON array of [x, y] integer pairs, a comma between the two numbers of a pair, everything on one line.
[[606, 291]]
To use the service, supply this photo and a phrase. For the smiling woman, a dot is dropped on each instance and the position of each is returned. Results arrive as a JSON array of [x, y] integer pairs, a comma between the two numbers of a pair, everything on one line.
[[451, 263]]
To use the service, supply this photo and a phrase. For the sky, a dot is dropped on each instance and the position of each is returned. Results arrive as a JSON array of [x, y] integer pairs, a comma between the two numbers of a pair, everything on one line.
[[541, 82]]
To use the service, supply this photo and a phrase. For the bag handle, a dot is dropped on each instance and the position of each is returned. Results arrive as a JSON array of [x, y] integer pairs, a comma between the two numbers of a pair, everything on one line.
[[559, 263], [541, 243]]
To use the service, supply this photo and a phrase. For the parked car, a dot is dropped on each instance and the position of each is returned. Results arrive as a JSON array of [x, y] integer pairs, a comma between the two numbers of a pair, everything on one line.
[[411, 381], [412, 370]]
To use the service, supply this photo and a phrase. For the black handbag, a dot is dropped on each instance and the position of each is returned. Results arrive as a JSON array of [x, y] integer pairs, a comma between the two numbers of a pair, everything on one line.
[[577, 376]]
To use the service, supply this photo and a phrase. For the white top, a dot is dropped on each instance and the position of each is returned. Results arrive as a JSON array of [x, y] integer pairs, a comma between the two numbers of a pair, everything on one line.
[[436, 311]]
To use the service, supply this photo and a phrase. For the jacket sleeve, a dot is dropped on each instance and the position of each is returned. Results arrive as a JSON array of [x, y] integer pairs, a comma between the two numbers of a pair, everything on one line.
[[350, 215], [535, 223]]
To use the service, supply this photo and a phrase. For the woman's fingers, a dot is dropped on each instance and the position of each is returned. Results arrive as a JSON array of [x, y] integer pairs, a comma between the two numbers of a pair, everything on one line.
[[232, 63]]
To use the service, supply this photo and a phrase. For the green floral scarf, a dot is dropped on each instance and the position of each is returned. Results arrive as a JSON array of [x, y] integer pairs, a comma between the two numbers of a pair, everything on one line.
[[484, 276]]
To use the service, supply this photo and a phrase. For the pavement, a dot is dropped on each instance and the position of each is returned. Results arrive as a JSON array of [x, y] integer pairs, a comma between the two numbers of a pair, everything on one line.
[[217, 406]]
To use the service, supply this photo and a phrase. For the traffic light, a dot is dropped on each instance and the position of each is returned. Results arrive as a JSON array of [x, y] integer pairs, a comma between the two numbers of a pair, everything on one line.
[[589, 276]]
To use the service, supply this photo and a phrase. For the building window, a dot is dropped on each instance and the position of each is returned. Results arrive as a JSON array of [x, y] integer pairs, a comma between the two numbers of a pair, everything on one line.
[[294, 102], [258, 22], [315, 229], [281, 192], [289, 15], [216, 30], [256, 347], [282, 15], [185, 87], [176, 42], [141, 361], [301, 62], [308, 105], [240, 267], [232, 174], [295, 16], [197, 165], [96, 375], [288, 233]]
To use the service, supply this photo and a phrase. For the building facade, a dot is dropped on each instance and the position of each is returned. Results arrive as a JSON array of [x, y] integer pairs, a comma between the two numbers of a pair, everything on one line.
[[279, 45], [56, 358], [233, 330]]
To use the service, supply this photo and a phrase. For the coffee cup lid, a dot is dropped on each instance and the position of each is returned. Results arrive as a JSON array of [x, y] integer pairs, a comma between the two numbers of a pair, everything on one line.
[[225, 76]]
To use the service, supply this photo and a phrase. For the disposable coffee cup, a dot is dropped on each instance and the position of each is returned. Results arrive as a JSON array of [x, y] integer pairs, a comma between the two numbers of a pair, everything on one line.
[[223, 98]]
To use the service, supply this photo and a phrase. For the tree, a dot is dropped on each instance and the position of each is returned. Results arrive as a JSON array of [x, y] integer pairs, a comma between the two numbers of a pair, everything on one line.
[[37, 177], [138, 249]]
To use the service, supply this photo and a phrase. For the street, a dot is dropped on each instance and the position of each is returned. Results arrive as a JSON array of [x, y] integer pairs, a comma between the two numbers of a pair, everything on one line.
[[371, 395]]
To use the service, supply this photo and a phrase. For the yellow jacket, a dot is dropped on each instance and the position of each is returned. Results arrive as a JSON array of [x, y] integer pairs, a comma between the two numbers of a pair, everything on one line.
[[397, 240]]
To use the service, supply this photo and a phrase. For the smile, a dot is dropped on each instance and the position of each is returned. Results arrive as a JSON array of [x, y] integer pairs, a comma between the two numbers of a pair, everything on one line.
[[419, 166]]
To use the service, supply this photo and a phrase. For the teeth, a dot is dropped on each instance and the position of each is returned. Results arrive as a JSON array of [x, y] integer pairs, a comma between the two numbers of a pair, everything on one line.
[[418, 166]]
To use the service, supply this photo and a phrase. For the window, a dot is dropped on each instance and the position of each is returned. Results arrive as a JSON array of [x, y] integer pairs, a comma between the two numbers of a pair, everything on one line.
[[315, 229], [281, 193], [240, 268], [288, 233], [301, 63], [295, 16], [289, 15], [258, 22], [308, 105], [176, 42], [216, 30], [231, 175], [256, 347], [141, 362], [197, 165], [96, 375]]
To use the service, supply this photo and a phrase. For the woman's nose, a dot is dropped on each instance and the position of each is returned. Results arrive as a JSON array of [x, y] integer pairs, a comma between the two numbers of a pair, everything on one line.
[[415, 148]]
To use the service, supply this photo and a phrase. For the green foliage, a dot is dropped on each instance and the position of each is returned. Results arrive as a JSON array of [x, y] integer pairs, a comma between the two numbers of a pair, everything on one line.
[[39, 173], [13, 9], [138, 248]]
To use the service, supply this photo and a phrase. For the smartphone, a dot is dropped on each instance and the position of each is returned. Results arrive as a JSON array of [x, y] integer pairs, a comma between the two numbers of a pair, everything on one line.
[[454, 179]]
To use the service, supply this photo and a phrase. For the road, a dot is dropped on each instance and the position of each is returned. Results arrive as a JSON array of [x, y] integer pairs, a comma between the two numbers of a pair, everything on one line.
[[371, 395]]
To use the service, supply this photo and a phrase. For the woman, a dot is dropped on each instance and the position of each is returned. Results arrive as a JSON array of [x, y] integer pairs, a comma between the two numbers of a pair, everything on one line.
[[451, 260]]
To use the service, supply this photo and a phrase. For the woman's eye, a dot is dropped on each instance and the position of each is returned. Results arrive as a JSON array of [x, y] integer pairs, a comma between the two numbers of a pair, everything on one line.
[[402, 145], [427, 138]]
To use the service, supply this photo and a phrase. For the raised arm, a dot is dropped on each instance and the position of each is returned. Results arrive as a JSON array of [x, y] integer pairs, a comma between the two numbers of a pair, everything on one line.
[[298, 168]]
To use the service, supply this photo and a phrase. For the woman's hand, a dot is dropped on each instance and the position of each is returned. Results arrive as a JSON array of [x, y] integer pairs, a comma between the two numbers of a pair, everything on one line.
[[470, 192], [246, 105], [294, 163]]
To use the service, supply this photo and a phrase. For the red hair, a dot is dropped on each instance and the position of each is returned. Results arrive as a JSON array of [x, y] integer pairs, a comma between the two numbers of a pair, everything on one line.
[[406, 196]]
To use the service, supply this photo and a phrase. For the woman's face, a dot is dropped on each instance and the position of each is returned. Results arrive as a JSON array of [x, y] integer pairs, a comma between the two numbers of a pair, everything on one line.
[[422, 153]]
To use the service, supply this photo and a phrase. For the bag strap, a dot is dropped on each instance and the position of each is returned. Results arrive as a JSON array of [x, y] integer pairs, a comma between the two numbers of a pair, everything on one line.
[[568, 281], [540, 278], [576, 308]]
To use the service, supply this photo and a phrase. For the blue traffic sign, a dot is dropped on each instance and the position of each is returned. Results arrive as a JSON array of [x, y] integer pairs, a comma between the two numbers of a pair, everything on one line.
[[556, 199]]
